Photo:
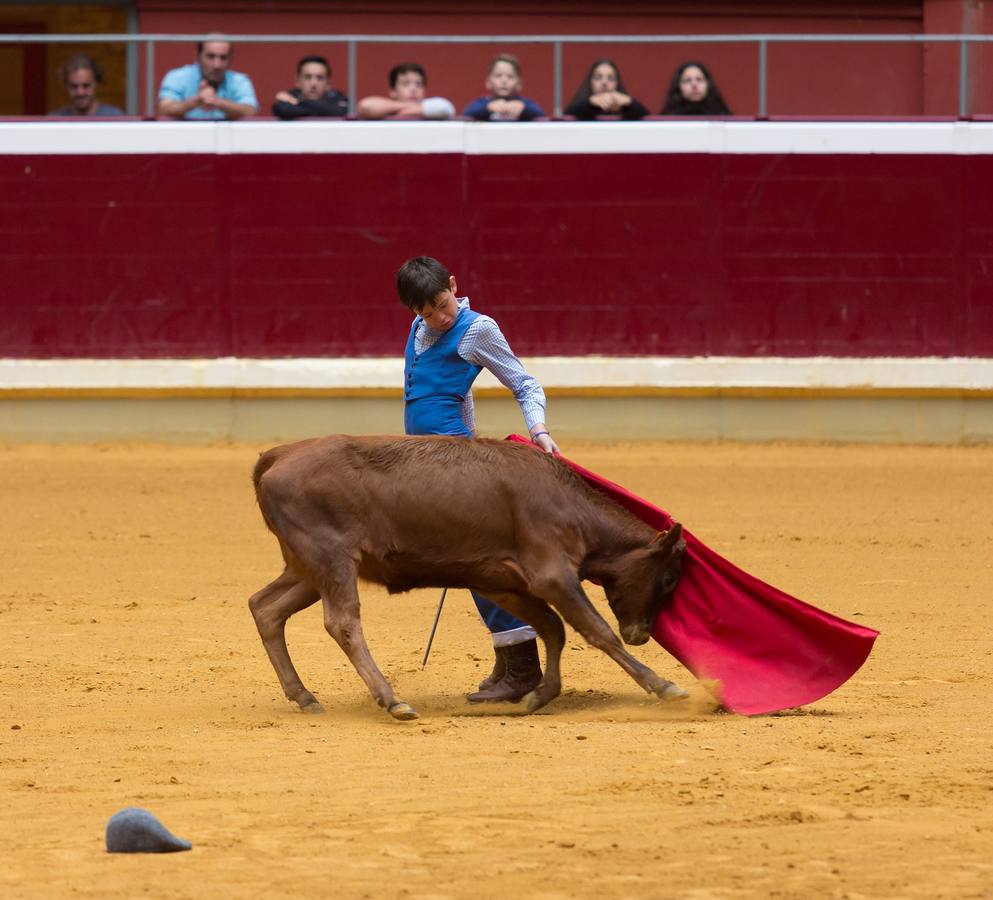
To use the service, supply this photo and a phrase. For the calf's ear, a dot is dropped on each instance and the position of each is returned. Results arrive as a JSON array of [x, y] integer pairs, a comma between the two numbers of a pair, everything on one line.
[[666, 540]]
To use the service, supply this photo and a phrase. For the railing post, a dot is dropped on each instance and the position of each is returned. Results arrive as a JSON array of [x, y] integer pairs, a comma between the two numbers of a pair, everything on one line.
[[352, 76], [963, 79], [557, 72], [131, 66], [763, 79], [150, 78]]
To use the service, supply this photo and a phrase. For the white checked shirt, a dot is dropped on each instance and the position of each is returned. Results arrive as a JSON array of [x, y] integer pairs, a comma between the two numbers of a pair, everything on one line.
[[484, 345]]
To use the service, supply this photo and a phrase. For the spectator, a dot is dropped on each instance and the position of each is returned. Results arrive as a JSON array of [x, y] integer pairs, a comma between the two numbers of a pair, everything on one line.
[[81, 75], [602, 94], [313, 95], [207, 89], [408, 82], [504, 103], [694, 93]]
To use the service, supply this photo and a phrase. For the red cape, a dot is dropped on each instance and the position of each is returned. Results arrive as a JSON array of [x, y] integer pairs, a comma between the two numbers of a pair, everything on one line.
[[756, 648]]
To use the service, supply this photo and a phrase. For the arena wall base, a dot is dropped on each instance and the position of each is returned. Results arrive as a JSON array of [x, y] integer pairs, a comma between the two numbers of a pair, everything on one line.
[[858, 419]]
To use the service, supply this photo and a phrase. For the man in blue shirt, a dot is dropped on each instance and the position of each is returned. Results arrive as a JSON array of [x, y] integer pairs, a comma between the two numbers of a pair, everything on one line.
[[207, 89]]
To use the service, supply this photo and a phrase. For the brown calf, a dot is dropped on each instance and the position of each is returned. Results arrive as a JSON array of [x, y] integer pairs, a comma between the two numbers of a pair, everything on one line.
[[407, 512]]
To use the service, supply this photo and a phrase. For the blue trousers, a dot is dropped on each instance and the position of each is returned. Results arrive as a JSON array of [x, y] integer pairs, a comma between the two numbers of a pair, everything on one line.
[[505, 628]]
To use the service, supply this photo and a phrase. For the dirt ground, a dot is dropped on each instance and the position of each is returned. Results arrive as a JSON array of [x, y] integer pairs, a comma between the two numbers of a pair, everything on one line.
[[131, 674]]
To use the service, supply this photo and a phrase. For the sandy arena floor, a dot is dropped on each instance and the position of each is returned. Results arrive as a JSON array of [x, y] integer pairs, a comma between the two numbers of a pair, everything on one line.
[[131, 674]]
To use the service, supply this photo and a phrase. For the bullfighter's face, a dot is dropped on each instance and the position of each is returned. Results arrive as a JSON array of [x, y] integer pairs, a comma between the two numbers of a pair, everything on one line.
[[440, 314], [643, 583]]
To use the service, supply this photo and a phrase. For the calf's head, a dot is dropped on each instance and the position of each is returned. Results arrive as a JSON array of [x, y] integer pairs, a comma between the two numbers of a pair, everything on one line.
[[640, 582]]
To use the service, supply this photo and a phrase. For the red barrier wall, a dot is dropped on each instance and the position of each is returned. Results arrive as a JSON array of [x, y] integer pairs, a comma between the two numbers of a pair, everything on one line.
[[675, 254]]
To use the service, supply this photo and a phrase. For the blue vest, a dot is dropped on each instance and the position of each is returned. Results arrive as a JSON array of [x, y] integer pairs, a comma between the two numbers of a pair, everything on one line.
[[437, 381]]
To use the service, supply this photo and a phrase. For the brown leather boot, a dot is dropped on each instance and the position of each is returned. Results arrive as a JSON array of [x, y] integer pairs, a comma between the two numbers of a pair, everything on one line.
[[523, 672], [499, 670]]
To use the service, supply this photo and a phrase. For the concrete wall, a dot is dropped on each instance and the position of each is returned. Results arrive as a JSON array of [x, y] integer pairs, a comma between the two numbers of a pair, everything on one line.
[[888, 420]]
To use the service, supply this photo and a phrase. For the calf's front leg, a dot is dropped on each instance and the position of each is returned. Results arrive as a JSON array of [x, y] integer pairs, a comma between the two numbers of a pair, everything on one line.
[[569, 598], [341, 619]]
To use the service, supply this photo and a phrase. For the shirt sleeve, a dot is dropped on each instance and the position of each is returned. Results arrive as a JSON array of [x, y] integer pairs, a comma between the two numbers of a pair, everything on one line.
[[477, 109], [242, 90], [531, 110], [437, 108], [634, 110], [484, 345], [332, 104], [582, 110], [172, 86]]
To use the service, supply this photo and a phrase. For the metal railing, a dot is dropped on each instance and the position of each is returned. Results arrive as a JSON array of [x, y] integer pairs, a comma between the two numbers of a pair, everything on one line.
[[556, 42]]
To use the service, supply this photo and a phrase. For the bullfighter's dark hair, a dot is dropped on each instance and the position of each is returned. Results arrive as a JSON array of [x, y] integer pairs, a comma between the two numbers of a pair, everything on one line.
[[320, 60], [81, 61], [405, 67], [419, 280]]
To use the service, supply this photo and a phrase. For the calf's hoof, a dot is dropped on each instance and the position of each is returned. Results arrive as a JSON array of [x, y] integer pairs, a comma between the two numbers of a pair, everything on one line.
[[306, 701], [672, 692], [402, 711], [539, 698]]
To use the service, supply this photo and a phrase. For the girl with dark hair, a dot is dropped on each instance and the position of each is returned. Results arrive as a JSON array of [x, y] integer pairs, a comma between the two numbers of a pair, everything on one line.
[[602, 94], [694, 93]]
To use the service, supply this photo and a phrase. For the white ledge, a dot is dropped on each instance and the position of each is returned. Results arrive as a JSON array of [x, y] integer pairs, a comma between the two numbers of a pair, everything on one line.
[[582, 373], [110, 137]]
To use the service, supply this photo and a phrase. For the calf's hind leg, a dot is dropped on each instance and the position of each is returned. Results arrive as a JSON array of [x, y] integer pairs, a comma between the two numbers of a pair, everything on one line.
[[271, 607], [552, 633]]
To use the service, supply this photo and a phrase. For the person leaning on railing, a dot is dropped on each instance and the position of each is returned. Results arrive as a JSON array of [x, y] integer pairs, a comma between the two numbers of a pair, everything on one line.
[[208, 89], [313, 96], [693, 92], [503, 101], [408, 85], [602, 94]]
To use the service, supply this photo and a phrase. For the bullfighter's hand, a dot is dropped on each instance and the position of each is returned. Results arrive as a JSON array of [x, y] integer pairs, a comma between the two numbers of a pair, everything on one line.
[[546, 443], [285, 97]]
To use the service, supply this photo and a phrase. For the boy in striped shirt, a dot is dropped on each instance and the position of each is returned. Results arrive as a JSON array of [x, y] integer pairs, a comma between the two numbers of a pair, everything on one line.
[[448, 346]]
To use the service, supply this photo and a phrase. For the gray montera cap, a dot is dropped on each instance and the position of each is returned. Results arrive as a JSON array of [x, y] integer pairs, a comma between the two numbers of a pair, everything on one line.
[[136, 830]]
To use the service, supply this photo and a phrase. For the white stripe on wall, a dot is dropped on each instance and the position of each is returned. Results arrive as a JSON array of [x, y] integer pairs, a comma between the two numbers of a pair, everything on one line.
[[494, 138], [588, 372]]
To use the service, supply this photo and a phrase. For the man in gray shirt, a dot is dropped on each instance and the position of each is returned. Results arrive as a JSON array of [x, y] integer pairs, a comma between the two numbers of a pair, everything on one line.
[[81, 75]]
